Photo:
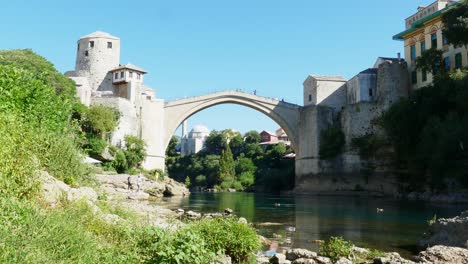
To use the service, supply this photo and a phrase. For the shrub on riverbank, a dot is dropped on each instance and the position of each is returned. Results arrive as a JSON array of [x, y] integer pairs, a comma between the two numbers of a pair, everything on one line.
[[228, 236]]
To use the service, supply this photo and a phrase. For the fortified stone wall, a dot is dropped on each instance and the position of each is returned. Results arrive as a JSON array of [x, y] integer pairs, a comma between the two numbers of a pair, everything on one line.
[[94, 61], [349, 172], [129, 119], [152, 132], [313, 119]]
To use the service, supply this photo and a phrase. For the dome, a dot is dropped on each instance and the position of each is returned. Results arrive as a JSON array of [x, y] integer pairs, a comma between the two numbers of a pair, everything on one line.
[[99, 34], [200, 129]]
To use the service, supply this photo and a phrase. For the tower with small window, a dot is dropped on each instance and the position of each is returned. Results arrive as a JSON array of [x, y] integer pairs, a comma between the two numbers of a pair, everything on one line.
[[97, 54]]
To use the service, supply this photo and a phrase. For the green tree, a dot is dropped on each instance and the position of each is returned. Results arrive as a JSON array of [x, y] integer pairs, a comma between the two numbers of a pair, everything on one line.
[[226, 169], [455, 22], [187, 181], [99, 120], [171, 148], [134, 151], [215, 142], [42, 69], [252, 137], [432, 61]]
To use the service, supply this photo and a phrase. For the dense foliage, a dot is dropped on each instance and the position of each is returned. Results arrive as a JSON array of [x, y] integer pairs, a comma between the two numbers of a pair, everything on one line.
[[429, 132], [242, 164], [35, 123], [336, 247], [455, 21]]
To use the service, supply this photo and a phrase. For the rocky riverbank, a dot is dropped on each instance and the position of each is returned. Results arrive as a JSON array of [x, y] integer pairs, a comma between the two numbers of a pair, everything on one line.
[[449, 236], [112, 191]]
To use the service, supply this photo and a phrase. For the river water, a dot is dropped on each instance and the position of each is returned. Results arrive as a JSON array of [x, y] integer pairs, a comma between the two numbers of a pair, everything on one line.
[[299, 220]]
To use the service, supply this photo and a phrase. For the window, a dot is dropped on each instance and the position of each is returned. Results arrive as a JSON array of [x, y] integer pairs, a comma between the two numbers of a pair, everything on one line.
[[310, 97], [423, 47], [138, 76], [414, 77], [424, 76], [130, 75], [109, 45], [91, 44], [434, 40], [78, 48], [447, 63], [86, 53], [413, 52], [370, 92], [116, 75], [444, 40], [458, 61], [121, 74]]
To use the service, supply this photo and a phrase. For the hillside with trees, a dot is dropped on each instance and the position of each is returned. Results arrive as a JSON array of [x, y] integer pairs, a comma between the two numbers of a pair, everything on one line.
[[239, 163]]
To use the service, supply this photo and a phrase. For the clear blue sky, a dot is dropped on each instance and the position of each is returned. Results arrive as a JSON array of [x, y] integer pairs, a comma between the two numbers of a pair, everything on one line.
[[196, 47]]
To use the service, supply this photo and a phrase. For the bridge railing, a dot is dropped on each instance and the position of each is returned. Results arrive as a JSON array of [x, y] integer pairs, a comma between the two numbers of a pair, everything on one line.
[[239, 91]]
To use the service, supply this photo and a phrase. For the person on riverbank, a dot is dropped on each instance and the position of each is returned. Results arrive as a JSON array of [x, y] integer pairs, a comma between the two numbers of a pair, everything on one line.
[[129, 183], [139, 181]]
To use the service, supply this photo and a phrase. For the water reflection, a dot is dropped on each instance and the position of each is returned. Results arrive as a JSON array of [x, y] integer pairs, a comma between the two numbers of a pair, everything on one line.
[[397, 228]]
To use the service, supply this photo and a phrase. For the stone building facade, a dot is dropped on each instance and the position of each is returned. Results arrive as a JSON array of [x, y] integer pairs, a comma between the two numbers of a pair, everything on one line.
[[101, 80], [194, 141], [424, 30]]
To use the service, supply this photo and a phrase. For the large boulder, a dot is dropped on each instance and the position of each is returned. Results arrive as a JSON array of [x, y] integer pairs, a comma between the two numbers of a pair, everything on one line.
[[448, 231], [53, 190], [444, 254], [86, 193], [297, 253], [392, 258], [173, 188]]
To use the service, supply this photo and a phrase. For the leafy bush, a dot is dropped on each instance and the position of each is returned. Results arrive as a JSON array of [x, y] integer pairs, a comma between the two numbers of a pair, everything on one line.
[[72, 234], [429, 132], [336, 247], [228, 236], [95, 146], [134, 151], [182, 246], [62, 159], [331, 142], [98, 120], [120, 162], [200, 180], [19, 163]]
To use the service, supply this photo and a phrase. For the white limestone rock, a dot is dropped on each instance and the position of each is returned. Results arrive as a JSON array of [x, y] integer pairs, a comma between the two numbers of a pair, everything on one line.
[[343, 261], [392, 258], [322, 260], [304, 261], [444, 254], [448, 232], [278, 258], [53, 190], [297, 253]]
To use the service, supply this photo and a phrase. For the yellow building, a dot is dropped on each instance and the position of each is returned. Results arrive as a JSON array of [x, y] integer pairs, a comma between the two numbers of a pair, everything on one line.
[[424, 31]]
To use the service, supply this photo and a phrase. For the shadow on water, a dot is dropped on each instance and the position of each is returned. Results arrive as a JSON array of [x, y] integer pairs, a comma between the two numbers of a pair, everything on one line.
[[298, 221]]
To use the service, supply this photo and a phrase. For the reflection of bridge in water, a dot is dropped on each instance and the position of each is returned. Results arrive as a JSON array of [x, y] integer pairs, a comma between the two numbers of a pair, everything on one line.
[[301, 124]]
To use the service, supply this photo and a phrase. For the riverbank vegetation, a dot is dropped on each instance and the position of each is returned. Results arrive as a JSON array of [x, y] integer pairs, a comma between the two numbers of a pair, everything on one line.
[[43, 127], [239, 163], [429, 130]]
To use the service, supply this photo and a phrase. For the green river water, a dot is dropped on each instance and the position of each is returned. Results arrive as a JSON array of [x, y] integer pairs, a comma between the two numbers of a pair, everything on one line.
[[302, 219]]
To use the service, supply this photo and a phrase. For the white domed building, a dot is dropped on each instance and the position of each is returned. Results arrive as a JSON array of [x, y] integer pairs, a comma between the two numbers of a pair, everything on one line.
[[194, 141]]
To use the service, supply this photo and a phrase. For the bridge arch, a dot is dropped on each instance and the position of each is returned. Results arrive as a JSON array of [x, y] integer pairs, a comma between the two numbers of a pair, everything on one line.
[[286, 115]]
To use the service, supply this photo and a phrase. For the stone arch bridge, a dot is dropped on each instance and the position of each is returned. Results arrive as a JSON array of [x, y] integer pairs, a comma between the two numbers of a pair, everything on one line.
[[302, 124]]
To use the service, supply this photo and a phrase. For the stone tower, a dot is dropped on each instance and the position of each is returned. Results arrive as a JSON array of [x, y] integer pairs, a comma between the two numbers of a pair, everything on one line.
[[97, 54]]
